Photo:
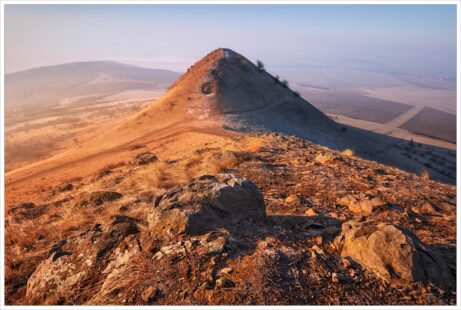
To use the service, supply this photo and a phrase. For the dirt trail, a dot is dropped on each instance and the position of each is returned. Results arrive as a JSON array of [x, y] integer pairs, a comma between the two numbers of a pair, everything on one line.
[[404, 117], [176, 129]]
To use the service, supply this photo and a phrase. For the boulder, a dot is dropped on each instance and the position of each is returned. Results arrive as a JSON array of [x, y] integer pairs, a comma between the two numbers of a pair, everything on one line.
[[97, 198], [293, 199], [150, 294], [205, 203], [393, 253], [363, 204], [83, 260]]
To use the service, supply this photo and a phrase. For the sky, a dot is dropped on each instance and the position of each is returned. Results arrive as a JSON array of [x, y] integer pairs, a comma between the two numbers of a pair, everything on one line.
[[411, 38]]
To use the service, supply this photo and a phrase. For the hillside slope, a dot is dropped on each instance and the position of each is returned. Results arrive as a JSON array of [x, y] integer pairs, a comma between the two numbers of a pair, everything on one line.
[[48, 86], [94, 239], [187, 202]]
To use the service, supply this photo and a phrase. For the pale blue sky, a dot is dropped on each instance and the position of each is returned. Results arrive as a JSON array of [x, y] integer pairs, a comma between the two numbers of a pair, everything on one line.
[[408, 37]]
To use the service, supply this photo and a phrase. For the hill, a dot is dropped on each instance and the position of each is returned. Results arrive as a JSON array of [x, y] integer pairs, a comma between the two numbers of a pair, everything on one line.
[[225, 91], [47, 86], [47, 109], [230, 189]]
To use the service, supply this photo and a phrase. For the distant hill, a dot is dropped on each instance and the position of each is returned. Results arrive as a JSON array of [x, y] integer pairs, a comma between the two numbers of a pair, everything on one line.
[[47, 86]]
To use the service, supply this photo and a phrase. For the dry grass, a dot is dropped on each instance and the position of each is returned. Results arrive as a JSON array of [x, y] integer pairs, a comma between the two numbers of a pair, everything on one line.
[[253, 144], [29, 239], [156, 175], [425, 174], [71, 219], [167, 174]]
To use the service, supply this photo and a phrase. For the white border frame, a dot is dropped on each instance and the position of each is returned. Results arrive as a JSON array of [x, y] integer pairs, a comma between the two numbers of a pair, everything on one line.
[[260, 2]]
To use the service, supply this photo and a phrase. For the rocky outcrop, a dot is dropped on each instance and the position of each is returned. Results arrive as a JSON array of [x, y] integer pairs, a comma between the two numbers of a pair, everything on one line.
[[82, 261], [205, 203], [363, 204], [393, 253]]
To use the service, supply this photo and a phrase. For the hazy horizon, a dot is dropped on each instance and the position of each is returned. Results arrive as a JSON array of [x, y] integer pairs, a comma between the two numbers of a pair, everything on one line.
[[410, 38]]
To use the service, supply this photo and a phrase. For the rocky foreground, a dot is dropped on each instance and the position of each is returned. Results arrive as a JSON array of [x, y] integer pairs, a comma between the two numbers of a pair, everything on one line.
[[293, 223]]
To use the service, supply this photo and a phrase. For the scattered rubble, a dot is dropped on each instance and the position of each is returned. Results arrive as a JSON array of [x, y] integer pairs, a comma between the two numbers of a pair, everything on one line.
[[363, 204]]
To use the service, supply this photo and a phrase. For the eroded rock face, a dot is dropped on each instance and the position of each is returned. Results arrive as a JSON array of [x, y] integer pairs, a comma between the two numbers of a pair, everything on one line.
[[393, 253], [82, 261], [205, 203], [363, 204]]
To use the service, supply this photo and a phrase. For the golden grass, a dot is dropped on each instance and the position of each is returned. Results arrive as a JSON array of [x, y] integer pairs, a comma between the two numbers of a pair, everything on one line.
[[164, 175], [29, 240], [253, 144], [425, 174]]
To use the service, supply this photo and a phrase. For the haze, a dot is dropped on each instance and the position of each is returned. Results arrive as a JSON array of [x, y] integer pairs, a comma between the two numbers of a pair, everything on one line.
[[415, 38]]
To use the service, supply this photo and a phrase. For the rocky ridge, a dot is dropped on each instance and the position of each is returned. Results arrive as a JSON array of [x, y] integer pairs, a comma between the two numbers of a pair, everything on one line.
[[273, 228]]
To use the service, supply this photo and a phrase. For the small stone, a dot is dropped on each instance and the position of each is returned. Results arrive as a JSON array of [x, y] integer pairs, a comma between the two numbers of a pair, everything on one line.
[[311, 212], [427, 208], [224, 283], [323, 158], [318, 240], [334, 215], [345, 262], [292, 199], [66, 187], [158, 255], [209, 277], [226, 270], [216, 246], [318, 250], [334, 277], [149, 293]]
